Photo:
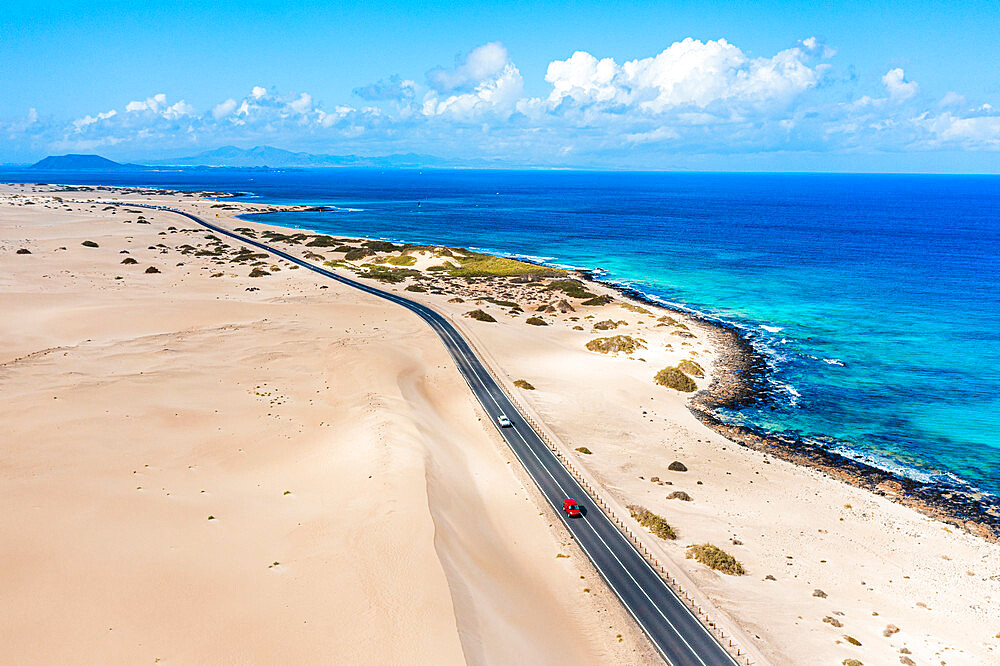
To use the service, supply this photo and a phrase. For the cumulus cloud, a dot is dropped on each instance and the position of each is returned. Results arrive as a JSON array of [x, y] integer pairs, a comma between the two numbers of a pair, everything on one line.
[[392, 88], [478, 65], [897, 86], [692, 96]]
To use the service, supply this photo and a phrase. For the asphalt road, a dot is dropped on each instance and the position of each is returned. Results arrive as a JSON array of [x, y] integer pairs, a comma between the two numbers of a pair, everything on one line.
[[676, 633]]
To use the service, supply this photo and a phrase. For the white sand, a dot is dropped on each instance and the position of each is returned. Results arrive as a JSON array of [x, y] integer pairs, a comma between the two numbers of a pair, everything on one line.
[[324, 430]]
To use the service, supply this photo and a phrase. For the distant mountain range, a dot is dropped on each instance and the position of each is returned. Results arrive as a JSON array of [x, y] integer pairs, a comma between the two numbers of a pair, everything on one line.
[[260, 157], [268, 156]]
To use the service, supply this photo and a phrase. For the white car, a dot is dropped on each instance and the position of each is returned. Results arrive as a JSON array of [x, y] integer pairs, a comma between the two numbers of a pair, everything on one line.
[[504, 421]]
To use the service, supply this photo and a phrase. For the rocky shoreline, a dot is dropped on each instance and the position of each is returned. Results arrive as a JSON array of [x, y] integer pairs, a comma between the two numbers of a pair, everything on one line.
[[742, 382]]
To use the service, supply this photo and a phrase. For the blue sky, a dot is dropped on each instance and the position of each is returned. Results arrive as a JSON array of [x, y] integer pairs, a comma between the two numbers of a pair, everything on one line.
[[890, 86]]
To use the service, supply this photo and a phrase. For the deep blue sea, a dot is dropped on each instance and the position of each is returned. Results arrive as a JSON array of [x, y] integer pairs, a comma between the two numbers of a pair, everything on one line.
[[876, 298]]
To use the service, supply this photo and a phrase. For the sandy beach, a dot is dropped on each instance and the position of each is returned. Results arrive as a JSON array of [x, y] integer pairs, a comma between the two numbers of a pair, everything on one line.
[[205, 466]]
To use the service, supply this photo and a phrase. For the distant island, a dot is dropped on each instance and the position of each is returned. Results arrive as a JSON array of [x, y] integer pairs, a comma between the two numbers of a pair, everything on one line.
[[79, 163]]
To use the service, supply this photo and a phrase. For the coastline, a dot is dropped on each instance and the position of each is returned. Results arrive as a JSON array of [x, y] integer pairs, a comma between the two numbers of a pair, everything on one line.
[[746, 369], [914, 572], [742, 382]]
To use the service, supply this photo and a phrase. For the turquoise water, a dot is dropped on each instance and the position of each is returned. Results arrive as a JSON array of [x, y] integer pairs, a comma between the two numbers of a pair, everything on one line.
[[874, 298]]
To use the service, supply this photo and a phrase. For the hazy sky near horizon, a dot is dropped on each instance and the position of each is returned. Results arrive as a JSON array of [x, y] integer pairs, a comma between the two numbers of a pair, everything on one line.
[[897, 85]]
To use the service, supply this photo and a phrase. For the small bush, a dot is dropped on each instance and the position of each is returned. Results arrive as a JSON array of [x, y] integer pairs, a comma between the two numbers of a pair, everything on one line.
[[390, 275], [129, 260], [598, 300], [258, 272], [691, 368], [89, 243], [358, 253], [584, 449], [635, 308], [382, 246], [524, 384], [675, 379], [535, 321], [476, 264], [402, 260], [715, 558], [852, 640], [479, 315], [616, 344], [609, 324], [572, 288], [23, 250], [654, 523], [152, 269], [323, 241], [415, 287], [680, 495]]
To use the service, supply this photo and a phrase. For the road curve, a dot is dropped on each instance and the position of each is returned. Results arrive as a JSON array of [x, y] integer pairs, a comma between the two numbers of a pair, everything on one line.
[[677, 634]]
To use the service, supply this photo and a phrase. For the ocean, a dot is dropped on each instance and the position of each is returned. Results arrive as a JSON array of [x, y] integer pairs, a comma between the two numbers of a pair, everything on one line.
[[874, 298]]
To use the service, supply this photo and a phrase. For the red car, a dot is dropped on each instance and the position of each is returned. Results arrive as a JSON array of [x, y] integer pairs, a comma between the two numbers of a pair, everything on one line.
[[571, 507]]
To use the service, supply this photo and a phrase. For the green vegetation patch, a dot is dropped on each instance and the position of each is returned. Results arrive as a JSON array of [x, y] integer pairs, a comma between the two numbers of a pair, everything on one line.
[[524, 384], [476, 264], [570, 287], [359, 253], [691, 368], [415, 287], [615, 344], [382, 246], [658, 525], [390, 275], [479, 315], [609, 324], [536, 321], [89, 243], [584, 449], [401, 260], [715, 558], [635, 308], [673, 378], [494, 301], [598, 300], [324, 241], [258, 272]]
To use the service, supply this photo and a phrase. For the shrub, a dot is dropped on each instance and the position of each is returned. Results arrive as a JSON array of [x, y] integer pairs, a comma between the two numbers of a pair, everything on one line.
[[129, 260], [415, 287], [524, 384], [852, 640], [680, 495], [390, 275], [479, 315], [715, 558], [152, 269], [654, 523], [675, 379], [609, 324], [402, 260], [323, 241], [89, 243], [584, 449], [616, 344], [23, 250], [258, 272], [691, 368], [635, 308], [358, 253], [677, 466], [382, 246], [598, 300], [572, 288], [484, 265], [535, 321]]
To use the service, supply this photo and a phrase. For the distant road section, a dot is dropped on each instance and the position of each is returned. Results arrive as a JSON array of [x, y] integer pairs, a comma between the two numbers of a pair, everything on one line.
[[676, 633]]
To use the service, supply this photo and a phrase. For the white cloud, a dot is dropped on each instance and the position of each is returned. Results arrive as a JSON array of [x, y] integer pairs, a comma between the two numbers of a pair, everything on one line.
[[687, 73], [224, 109], [258, 92], [151, 104], [897, 86], [81, 123], [481, 63]]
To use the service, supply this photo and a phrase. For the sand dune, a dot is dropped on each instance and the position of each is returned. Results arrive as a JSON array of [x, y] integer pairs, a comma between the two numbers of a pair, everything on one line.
[[198, 473]]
